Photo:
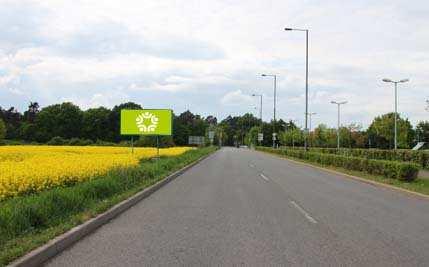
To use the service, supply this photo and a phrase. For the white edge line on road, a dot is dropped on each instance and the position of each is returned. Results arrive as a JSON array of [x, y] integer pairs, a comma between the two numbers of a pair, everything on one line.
[[264, 177], [311, 219]]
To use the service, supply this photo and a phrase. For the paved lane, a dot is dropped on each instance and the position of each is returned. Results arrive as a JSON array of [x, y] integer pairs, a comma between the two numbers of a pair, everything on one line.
[[249, 208]]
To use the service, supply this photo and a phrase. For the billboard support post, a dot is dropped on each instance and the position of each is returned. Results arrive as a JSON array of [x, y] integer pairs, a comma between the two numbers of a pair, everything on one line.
[[149, 122]]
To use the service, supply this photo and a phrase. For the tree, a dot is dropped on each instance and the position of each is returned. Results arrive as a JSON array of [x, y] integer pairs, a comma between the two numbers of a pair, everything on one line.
[[2, 130], [64, 120], [31, 113], [252, 136], [13, 119], [114, 121], [422, 131], [95, 124], [28, 129], [381, 132], [212, 120], [292, 137], [320, 136]]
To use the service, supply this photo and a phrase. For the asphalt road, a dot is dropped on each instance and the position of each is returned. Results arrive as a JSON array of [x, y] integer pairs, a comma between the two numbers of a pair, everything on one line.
[[241, 207]]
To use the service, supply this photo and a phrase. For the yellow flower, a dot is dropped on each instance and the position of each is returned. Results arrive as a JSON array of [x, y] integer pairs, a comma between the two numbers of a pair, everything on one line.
[[25, 169]]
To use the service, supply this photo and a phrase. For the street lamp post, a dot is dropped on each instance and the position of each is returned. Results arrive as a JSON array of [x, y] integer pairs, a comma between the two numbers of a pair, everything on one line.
[[338, 122], [306, 78], [309, 116], [274, 105], [396, 104]]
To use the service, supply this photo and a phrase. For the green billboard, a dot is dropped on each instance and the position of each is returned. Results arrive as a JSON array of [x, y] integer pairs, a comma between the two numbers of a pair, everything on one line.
[[146, 122]]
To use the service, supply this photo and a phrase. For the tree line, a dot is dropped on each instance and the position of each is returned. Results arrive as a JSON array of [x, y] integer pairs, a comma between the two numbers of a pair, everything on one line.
[[101, 124], [68, 121]]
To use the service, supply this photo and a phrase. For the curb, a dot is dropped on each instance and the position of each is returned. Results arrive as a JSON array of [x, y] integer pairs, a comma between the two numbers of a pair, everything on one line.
[[367, 181], [55, 246]]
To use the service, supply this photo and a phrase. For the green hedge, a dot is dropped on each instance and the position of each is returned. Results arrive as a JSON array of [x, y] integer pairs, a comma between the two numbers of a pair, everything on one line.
[[390, 169], [406, 155]]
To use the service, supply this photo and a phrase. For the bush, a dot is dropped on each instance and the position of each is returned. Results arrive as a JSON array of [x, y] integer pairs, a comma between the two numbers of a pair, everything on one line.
[[406, 155], [57, 141], [406, 171]]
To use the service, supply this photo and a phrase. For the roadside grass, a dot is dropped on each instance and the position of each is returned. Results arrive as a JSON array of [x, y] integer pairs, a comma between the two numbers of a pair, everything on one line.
[[28, 222], [418, 185]]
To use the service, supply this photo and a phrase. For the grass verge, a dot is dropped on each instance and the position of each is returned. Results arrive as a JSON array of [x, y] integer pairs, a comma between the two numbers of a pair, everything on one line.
[[418, 185], [28, 222]]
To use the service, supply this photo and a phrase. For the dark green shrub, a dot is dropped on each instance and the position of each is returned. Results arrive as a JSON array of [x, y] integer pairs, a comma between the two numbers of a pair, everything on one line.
[[74, 142], [391, 169], [57, 141]]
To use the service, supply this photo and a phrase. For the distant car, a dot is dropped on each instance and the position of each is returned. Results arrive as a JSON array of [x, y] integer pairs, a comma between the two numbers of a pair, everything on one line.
[[244, 146]]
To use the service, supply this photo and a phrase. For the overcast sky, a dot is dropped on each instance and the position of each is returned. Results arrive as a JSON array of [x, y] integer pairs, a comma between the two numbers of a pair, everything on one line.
[[207, 56]]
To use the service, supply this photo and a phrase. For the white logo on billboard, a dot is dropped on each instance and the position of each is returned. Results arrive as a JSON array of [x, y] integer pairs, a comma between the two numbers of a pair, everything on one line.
[[147, 122]]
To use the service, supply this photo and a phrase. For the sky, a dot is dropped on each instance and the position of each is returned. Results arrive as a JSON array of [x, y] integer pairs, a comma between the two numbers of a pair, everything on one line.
[[208, 56]]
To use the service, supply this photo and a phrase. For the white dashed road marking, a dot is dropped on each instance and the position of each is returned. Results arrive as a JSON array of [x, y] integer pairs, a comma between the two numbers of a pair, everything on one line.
[[306, 215], [264, 177]]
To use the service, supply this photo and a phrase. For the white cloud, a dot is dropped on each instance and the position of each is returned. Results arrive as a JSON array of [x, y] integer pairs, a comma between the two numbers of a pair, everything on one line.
[[197, 54], [236, 98]]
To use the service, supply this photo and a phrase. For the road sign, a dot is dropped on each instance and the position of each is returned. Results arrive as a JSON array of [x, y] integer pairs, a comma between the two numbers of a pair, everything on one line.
[[260, 137], [146, 121], [274, 136], [211, 134], [196, 140]]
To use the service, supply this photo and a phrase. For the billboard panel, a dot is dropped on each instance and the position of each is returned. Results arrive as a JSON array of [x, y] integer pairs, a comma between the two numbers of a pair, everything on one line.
[[146, 122]]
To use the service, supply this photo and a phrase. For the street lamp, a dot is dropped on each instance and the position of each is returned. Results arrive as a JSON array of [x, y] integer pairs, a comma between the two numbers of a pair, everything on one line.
[[338, 123], [275, 88], [396, 104], [306, 77], [260, 106]]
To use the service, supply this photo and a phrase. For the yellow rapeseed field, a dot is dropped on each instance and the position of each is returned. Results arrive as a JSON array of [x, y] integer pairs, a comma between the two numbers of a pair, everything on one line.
[[25, 169]]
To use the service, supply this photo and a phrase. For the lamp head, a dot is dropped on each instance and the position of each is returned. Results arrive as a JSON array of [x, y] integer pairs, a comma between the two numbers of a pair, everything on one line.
[[404, 80], [387, 81], [288, 29]]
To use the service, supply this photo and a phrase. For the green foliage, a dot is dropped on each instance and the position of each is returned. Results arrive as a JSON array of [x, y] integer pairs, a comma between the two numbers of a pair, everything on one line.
[[422, 131], [252, 136], [292, 137], [236, 128], [2, 130], [150, 141], [63, 120], [390, 169], [418, 157], [188, 124], [95, 124], [57, 141], [79, 142], [381, 132]]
